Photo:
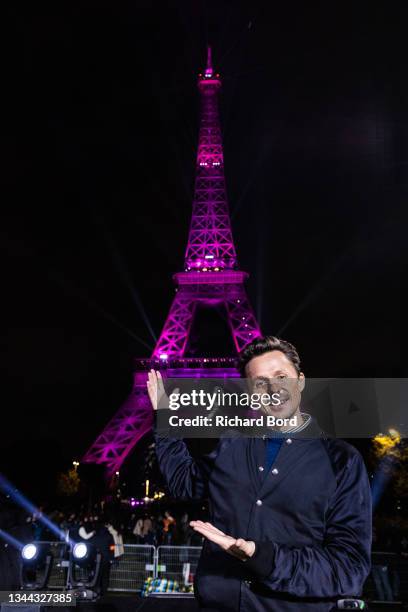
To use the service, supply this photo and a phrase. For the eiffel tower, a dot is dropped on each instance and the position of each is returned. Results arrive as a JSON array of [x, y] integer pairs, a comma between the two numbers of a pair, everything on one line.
[[210, 278]]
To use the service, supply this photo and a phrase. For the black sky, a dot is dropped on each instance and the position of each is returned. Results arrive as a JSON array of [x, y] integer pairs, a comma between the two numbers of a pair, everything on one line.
[[100, 131]]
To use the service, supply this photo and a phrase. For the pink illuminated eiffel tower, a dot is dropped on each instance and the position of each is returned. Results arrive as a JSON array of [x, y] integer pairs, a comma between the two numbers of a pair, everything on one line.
[[211, 277]]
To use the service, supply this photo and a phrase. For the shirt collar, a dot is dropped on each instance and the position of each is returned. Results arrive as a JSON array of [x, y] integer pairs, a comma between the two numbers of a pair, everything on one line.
[[309, 427]]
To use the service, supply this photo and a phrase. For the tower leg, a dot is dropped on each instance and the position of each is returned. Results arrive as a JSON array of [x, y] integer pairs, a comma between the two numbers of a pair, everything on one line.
[[242, 320], [173, 339], [132, 421]]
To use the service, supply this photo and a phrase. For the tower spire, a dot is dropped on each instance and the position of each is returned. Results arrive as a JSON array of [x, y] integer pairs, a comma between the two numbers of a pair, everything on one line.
[[211, 275], [210, 244], [209, 69]]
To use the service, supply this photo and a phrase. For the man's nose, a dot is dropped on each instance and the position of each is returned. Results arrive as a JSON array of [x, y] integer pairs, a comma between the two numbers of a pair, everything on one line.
[[275, 385]]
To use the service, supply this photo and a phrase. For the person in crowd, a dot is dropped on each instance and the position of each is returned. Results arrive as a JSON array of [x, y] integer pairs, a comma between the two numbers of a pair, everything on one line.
[[116, 534], [104, 542], [167, 521], [138, 531], [38, 526], [86, 530], [147, 526]]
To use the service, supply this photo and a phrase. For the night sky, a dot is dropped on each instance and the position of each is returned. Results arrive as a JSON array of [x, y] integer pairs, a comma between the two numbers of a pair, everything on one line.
[[100, 131]]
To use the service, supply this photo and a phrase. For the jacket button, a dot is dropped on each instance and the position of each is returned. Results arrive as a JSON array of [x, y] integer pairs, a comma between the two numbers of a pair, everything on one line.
[[260, 468], [275, 471], [259, 502], [289, 441]]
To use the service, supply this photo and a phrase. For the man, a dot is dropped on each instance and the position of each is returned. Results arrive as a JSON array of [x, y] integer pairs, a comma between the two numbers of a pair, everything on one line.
[[290, 513]]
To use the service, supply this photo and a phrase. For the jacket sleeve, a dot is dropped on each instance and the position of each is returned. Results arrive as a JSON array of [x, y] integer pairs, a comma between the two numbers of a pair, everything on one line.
[[340, 565], [186, 478]]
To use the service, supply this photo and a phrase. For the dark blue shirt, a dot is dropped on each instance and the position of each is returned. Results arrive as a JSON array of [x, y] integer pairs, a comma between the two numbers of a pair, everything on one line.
[[272, 448]]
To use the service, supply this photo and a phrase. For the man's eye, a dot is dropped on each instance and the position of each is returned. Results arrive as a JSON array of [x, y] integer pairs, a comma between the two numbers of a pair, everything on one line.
[[260, 383], [282, 376]]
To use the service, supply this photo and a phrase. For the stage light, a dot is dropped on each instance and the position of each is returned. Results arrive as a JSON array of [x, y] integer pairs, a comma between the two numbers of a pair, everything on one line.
[[29, 552], [36, 566], [85, 567], [80, 550]]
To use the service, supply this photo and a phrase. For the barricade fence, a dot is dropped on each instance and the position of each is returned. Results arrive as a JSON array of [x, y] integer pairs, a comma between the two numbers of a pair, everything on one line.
[[136, 563], [388, 580]]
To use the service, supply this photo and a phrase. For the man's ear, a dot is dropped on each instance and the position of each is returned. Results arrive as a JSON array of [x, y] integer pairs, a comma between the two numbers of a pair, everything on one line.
[[301, 381]]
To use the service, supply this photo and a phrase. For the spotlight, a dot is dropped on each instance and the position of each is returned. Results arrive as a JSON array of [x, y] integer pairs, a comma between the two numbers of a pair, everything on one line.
[[36, 566], [80, 551], [85, 566], [29, 552]]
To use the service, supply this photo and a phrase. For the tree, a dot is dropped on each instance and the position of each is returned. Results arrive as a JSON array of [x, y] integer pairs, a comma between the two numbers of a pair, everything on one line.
[[68, 482]]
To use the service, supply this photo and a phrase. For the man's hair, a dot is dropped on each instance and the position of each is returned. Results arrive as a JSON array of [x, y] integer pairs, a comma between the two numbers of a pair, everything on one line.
[[266, 344]]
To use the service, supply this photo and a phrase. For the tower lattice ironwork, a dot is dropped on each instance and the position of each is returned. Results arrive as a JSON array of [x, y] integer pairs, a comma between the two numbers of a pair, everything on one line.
[[211, 277]]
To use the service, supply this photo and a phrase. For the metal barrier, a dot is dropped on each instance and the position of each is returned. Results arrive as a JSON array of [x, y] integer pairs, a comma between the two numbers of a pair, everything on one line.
[[178, 563], [129, 571], [388, 580], [139, 562]]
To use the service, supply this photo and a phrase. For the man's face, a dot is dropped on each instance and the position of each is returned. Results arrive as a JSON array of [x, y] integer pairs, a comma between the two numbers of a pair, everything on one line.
[[272, 373]]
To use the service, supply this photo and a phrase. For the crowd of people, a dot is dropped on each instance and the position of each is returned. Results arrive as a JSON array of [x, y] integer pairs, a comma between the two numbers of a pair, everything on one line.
[[126, 526], [111, 526]]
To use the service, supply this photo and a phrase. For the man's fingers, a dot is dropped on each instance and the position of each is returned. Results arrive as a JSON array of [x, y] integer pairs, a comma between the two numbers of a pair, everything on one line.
[[210, 526], [151, 384], [213, 534], [160, 384], [246, 546], [155, 387], [202, 528], [237, 552]]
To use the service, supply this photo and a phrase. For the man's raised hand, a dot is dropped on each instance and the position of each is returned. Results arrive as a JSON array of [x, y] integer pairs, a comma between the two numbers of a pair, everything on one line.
[[155, 387], [156, 391]]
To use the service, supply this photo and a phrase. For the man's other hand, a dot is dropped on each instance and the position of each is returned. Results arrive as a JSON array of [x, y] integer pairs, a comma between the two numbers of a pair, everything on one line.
[[242, 549]]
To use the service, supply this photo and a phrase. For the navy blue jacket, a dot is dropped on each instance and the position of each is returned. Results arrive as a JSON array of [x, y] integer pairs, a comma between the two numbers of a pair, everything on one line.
[[310, 518]]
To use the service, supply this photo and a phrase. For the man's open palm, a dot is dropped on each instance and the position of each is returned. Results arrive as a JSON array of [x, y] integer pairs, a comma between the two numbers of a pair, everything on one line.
[[242, 549], [156, 391]]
